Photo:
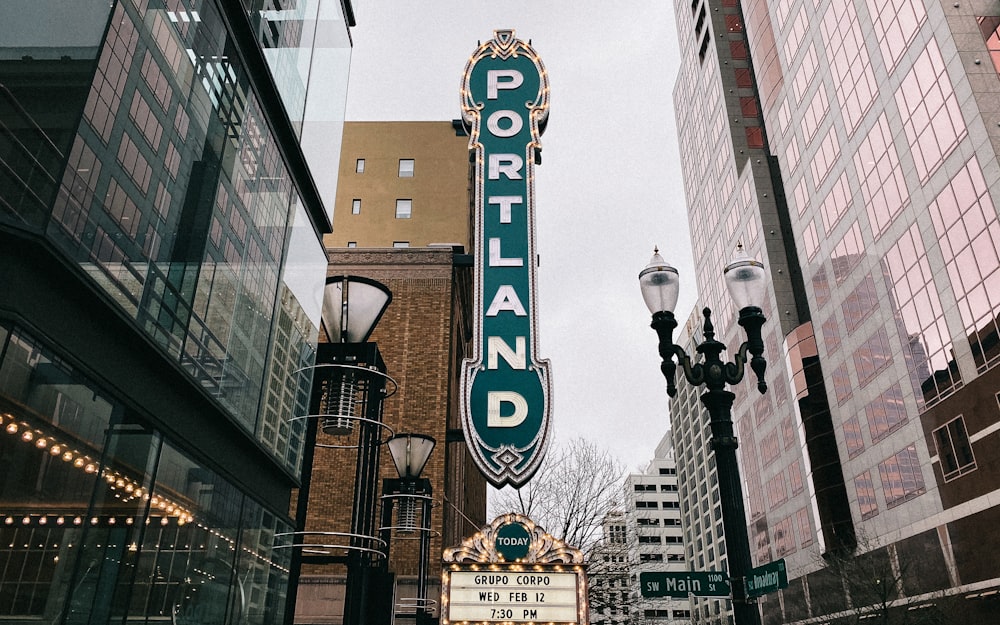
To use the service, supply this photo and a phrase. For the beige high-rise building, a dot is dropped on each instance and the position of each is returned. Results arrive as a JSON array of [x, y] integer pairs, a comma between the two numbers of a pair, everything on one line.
[[403, 184]]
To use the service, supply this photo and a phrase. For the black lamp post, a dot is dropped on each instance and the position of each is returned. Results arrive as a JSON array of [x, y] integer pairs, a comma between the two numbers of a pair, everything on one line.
[[349, 383], [410, 453], [745, 279]]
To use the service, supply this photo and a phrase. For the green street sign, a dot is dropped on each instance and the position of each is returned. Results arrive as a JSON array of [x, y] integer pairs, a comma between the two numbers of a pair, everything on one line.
[[766, 579], [680, 585], [506, 388]]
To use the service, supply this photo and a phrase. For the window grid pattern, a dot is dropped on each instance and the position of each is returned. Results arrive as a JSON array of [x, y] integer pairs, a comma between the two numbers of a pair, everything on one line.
[[847, 254], [777, 491], [836, 203], [927, 342], [842, 383], [954, 449], [886, 413], [865, 488], [872, 357], [852, 437], [804, 526], [931, 115], [831, 334], [881, 176], [826, 156], [901, 477], [849, 62], [967, 226], [859, 304], [784, 537], [795, 477], [896, 24]]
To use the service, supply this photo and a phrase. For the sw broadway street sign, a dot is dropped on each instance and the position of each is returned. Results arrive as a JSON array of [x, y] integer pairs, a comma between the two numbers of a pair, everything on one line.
[[768, 578], [505, 397], [680, 585]]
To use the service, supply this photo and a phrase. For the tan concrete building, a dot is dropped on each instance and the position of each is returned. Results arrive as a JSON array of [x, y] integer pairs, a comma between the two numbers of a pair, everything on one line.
[[403, 184]]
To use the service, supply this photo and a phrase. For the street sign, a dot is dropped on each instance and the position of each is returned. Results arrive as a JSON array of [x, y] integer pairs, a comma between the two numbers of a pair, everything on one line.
[[680, 585], [768, 578]]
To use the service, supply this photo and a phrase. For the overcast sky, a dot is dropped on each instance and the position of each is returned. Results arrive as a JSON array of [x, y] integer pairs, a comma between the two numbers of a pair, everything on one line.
[[608, 190]]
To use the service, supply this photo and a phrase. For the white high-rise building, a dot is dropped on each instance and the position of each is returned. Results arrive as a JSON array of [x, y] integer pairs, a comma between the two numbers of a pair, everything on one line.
[[654, 534]]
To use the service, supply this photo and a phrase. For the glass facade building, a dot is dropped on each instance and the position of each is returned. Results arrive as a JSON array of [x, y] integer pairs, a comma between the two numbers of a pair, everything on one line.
[[853, 147], [162, 266]]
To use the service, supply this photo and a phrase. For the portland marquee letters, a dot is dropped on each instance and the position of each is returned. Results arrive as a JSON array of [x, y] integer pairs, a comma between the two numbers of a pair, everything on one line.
[[506, 394]]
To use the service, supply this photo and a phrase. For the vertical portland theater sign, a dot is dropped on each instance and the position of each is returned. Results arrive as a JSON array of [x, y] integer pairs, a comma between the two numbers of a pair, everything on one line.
[[506, 399]]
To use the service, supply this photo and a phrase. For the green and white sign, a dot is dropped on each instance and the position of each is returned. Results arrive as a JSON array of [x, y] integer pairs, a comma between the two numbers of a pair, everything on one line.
[[512, 541], [680, 585], [768, 578], [506, 387]]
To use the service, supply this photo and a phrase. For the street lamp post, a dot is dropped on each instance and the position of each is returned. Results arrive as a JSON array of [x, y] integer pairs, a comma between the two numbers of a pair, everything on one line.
[[410, 453], [348, 389], [745, 279]]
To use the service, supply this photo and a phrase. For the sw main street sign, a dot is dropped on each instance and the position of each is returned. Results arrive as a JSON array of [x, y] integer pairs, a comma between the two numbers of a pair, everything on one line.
[[680, 585], [768, 578]]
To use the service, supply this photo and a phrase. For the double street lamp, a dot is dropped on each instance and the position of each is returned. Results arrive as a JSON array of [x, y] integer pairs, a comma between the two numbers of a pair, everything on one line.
[[746, 281]]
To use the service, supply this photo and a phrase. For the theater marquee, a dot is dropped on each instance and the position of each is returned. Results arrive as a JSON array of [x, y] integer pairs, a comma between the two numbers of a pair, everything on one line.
[[512, 571], [506, 388]]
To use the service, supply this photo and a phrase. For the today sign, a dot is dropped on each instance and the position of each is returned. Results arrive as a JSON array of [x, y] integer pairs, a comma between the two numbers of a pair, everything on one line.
[[506, 388]]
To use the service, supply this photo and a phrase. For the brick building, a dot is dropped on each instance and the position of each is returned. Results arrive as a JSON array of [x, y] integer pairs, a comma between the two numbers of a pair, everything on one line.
[[422, 337]]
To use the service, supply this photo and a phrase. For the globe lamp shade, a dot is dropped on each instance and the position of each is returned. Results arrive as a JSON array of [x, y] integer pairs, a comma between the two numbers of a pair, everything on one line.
[[659, 285], [745, 278]]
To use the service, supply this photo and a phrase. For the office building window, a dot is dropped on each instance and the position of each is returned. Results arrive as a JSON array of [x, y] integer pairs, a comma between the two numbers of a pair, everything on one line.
[[401, 244], [360, 167], [352, 244], [954, 449], [403, 209], [406, 168], [901, 477], [646, 504], [867, 504], [355, 206]]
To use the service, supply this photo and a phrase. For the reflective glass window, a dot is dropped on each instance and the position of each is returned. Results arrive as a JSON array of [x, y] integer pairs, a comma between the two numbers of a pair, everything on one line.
[[901, 477], [966, 224], [795, 480], [769, 447], [804, 527], [831, 334], [406, 168], [927, 346], [872, 356], [836, 203], [826, 155], [865, 489], [777, 491], [849, 62], [859, 304], [852, 437], [896, 24], [882, 183], [848, 253], [784, 537], [930, 112], [954, 449], [886, 413]]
